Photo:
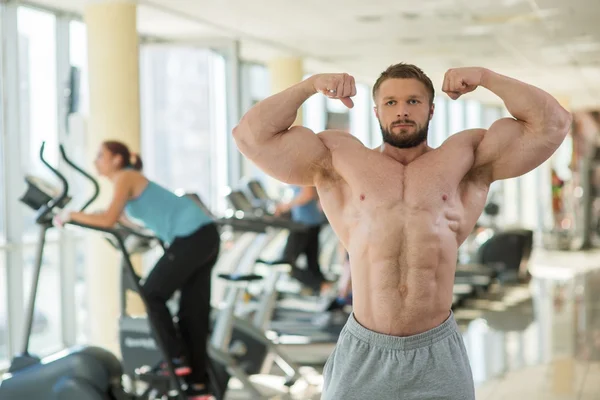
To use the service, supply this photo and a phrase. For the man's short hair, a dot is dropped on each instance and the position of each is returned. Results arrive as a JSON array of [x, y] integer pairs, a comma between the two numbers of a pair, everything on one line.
[[405, 71]]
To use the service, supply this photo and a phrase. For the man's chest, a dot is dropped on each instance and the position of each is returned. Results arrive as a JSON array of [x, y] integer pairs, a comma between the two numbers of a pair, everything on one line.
[[376, 183]]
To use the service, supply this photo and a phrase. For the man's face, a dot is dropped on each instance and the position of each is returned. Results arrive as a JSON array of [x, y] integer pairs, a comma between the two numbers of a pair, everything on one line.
[[404, 111]]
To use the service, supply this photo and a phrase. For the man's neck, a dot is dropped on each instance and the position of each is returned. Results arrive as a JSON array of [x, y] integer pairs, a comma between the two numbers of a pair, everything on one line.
[[404, 156]]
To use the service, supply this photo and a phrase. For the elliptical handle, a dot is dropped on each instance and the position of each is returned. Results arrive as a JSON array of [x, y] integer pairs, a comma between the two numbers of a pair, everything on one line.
[[65, 185], [85, 174]]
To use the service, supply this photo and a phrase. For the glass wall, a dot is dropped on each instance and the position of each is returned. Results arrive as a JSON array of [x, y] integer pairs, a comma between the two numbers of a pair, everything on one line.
[[3, 310], [473, 117], [38, 95], [456, 116], [3, 274], [178, 117], [256, 84], [438, 127], [360, 115], [79, 70], [376, 138], [78, 113], [39, 122]]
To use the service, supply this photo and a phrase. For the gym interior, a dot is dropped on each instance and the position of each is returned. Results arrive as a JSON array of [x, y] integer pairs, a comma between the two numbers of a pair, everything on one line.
[[172, 78]]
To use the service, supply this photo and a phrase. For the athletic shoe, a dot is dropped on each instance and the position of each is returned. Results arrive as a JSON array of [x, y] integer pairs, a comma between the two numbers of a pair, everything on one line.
[[181, 368], [195, 394], [201, 397]]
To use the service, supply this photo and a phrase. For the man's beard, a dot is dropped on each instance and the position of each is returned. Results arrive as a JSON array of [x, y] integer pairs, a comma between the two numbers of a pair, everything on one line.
[[405, 141]]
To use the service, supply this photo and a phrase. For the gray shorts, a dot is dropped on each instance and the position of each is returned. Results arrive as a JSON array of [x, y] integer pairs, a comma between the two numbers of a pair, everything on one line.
[[370, 365]]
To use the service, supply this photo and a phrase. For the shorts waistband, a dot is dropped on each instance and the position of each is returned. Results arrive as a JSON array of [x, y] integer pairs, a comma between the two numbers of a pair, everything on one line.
[[425, 339]]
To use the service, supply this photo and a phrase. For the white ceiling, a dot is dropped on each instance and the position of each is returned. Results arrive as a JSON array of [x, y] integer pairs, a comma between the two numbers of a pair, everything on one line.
[[554, 44]]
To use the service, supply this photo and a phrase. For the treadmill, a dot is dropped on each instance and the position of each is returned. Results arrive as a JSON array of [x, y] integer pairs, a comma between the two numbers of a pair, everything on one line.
[[328, 239], [290, 327]]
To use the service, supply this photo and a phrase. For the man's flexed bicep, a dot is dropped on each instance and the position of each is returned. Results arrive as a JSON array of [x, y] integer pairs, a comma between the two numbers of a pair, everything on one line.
[[512, 146], [508, 150], [290, 154], [296, 156]]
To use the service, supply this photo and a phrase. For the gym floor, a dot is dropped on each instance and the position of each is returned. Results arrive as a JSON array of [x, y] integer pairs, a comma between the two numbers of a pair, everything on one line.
[[539, 340]]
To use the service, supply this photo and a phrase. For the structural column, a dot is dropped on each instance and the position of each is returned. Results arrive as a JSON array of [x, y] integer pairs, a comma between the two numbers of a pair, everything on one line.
[[113, 64], [286, 72]]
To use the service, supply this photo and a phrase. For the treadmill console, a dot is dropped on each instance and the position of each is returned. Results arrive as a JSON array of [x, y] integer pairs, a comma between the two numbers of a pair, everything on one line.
[[40, 192]]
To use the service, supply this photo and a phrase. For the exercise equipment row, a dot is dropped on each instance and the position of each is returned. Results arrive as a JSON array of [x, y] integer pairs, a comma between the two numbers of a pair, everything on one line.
[[93, 373]]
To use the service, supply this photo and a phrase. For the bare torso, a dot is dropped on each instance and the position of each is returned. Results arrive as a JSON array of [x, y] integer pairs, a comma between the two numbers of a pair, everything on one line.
[[402, 226]]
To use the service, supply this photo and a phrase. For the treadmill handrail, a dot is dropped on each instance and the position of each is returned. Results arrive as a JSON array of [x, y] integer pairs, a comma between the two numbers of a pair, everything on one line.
[[243, 224], [283, 223], [85, 174]]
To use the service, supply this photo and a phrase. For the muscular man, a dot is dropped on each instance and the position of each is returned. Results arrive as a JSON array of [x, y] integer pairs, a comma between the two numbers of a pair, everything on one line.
[[402, 210]]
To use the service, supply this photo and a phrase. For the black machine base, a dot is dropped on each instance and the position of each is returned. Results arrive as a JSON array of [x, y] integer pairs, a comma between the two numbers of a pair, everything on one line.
[[84, 373]]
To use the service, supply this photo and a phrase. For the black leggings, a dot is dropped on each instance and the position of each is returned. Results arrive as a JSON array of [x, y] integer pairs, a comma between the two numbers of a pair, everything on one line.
[[305, 242], [186, 265]]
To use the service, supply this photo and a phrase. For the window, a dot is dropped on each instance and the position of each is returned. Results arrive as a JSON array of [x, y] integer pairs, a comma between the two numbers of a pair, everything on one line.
[[438, 127], [179, 113], [3, 309], [81, 310], [3, 273], [360, 113], [38, 93], [490, 115], [473, 118], [79, 108], [337, 115], [3, 166], [38, 96], [46, 335], [313, 112], [255, 84], [79, 70], [456, 116], [376, 136]]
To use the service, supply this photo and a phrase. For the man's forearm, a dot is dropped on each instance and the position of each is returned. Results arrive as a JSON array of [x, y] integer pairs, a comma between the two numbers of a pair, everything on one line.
[[276, 113], [525, 102]]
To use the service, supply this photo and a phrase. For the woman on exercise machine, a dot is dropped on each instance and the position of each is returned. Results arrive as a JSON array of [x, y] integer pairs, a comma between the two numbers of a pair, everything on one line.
[[193, 243]]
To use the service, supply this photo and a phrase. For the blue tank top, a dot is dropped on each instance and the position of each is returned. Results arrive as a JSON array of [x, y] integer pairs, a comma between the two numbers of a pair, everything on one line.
[[166, 214], [309, 213]]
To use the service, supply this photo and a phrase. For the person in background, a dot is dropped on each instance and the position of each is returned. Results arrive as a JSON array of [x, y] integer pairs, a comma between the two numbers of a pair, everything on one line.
[[304, 208], [193, 244], [344, 286]]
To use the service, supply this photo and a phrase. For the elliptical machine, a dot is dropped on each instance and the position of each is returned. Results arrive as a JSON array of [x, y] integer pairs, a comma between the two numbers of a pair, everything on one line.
[[85, 372], [79, 373]]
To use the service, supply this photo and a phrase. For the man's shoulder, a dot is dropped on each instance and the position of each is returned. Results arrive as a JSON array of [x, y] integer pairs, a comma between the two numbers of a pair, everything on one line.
[[337, 142], [334, 138], [468, 137]]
